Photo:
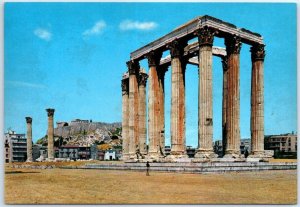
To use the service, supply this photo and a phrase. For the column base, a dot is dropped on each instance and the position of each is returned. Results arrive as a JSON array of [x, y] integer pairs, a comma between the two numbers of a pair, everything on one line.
[[29, 160], [265, 155], [125, 157], [233, 156], [205, 154], [50, 159]]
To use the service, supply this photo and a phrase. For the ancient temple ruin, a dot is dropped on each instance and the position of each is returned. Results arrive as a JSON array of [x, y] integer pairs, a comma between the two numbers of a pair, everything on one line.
[[134, 95]]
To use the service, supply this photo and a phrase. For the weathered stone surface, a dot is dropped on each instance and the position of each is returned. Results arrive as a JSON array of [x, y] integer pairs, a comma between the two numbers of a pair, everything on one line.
[[133, 68], [233, 47], [177, 99], [257, 100], [142, 113], [205, 108], [29, 139], [154, 106], [50, 113], [125, 118]]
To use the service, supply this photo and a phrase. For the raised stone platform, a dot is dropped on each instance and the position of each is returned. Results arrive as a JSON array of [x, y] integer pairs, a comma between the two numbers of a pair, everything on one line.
[[190, 167]]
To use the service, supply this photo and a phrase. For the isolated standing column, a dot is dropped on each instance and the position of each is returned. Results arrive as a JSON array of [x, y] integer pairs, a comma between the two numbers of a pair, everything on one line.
[[29, 139], [257, 100], [50, 134]]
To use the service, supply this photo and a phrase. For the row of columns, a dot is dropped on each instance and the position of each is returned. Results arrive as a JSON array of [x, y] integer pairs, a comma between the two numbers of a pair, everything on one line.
[[135, 110], [50, 136]]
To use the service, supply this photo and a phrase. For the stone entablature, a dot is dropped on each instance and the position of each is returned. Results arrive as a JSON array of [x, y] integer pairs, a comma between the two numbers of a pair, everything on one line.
[[188, 31]]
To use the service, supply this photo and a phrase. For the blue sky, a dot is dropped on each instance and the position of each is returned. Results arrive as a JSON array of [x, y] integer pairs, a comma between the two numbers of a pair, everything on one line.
[[71, 56]]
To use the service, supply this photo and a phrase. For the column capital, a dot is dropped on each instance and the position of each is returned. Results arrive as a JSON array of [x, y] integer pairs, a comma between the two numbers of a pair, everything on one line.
[[142, 79], [28, 120], [133, 67], [154, 58], [161, 71], [50, 112], [225, 63], [258, 52], [205, 36], [233, 44], [125, 86], [176, 48]]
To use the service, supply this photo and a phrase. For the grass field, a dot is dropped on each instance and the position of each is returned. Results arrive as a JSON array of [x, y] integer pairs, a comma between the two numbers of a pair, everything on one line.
[[74, 186]]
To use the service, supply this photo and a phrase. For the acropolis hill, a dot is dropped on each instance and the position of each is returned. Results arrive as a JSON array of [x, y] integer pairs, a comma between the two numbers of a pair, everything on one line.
[[84, 132]]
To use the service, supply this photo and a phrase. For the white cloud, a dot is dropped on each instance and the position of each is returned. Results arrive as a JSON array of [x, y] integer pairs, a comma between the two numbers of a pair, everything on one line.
[[25, 84], [96, 29], [43, 34], [136, 25]]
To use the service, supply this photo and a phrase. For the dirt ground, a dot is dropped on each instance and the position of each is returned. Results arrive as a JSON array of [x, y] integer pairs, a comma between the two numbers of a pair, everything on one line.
[[74, 186]]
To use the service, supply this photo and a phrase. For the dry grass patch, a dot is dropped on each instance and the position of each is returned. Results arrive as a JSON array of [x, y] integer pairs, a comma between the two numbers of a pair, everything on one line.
[[82, 186]]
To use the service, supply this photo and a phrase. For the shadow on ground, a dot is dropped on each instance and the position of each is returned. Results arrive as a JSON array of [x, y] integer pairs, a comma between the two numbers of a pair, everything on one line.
[[16, 172]]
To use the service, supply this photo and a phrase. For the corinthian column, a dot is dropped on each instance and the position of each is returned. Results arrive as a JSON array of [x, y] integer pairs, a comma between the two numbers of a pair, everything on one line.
[[161, 76], [233, 47], [153, 105], [177, 99], [205, 108], [125, 116], [142, 112], [50, 113], [224, 104], [29, 139], [257, 101], [133, 68]]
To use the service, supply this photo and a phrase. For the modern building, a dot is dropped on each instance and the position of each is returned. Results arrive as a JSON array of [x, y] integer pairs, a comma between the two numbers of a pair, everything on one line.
[[15, 147], [110, 155], [245, 145], [69, 151], [167, 150], [283, 142]]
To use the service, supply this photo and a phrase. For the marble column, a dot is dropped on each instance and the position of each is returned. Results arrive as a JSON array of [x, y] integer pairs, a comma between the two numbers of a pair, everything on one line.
[[257, 101], [125, 117], [29, 139], [142, 113], [205, 96], [161, 78], [153, 105], [50, 113], [178, 65], [224, 106], [233, 47], [133, 68]]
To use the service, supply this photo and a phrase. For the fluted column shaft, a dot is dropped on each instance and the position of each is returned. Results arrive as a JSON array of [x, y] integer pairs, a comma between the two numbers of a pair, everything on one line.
[[161, 73], [177, 99], [257, 99], [153, 105], [233, 47], [125, 118], [50, 134], [224, 104], [29, 139], [133, 68], [205, 103], [142, 114]]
